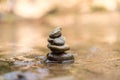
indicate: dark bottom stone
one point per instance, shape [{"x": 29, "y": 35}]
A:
[{"x": 62, "y": 58}]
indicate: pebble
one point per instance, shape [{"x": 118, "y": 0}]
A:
[
  {"x": 58, "y": 48},
  {"x": 55, "y": 33},
  {"x": 57, "y": 41}
]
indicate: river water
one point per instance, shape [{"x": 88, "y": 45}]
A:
[{"x": 94, "y": 40}]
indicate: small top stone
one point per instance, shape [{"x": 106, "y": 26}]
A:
[{"x": 55, "y": 33}]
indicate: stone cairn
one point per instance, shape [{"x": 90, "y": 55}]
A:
[{"x": 58, "y": 48}]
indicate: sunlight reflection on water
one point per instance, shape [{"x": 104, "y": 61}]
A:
[{"x": 94, "y": 43}]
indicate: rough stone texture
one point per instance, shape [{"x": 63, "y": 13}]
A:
[
  {"x": 57, "y": 41},
  {"x": 55, "y": 33},
  {"x": 58, "y": 47}
]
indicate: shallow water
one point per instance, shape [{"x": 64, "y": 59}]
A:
[{"x": 94, "y": 43}]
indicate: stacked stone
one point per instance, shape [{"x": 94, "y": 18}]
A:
[{"x": 58, "y": 47}]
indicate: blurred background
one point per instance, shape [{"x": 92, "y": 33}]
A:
[
  {"x": 25, "y": 24},
  {"x": 91, "y": 28}
]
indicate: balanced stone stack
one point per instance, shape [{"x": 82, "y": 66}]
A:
[{"x": 58, "y": 47}]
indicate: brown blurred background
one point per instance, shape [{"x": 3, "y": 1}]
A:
[
  {"x": 91, "y": 28},
  {"x": 25, "y": 24}
]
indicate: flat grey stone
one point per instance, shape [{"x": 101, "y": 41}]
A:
[
  {"x": 57, "y": 41},
  {"x": 62, "y": 58},
  {"x": 55, "y": 33},
  {"x": 58, "y": 48}
]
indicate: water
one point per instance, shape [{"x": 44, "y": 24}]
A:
[{"x": 93, "y": 38}]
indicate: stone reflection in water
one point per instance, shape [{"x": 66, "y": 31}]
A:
[
  {"x": 59, "y": 72},
  {"x": 48, "y": 72}
]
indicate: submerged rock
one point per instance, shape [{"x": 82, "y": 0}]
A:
[{"x": 18, "y": 75}]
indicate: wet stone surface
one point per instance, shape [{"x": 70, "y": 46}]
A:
[
  {"x": 33, "y": 69},
  {"x": 57, "y": 41},
  {"x": 56, "y": 33},
  {"x": 58, "y": 47}
]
